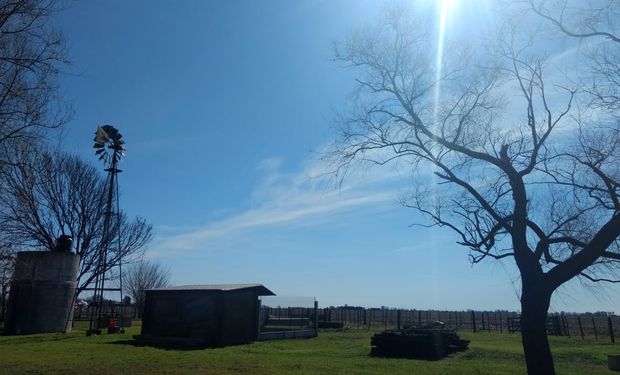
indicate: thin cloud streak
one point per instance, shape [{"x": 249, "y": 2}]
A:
[{"x": 287, "y": 200}]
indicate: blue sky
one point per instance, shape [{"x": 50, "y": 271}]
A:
[{"x": 225, "y": 107}]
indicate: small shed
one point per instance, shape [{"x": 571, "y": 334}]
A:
[{"x": 203, "y": 315}]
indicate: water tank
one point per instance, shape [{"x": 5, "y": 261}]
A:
[
  {"x": 64, "y": 243},
  {"x": 42, "y": 289}
]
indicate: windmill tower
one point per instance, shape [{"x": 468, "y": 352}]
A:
[{"x": 110, "y": 148}]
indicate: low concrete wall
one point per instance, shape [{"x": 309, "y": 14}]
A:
[
  {"x": 305, "y": 333},
  {"x": 288, "y": 322}
]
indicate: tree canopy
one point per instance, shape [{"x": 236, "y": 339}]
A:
[
  {"x": 56, "y": 193},
  {"x": 32, "y": 54},
  {"x": 512, "y": 149}
]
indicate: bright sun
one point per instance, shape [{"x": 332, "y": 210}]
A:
[
  {"x": 447, "y": 9},
  {"x": 448, "y": 6}
]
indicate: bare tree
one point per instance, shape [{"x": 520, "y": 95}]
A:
[
  {"x": 7, "y": 262},
  {"x": 522, "y": 179},
  {"x": 57, "y": 193},
  {"x": 31, "y": 54},
  {"x": 142, "y": 276},
  {"x": 597, "y": 22}
]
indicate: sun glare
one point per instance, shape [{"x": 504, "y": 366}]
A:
[
  {"x": 447, "y": 8},
  {"x": 449, "y": 5}
]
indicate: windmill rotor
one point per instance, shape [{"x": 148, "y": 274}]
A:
[{"x": 109, "y": 143}]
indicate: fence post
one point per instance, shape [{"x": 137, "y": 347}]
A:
[
  {"x": 489, "y": 322},
  {"x": 483, "y": 326},
  {"x": 580, "y": 326},
  {"x": 316, "y": 317},
  {"x": 501, "y": 328},
  {"x": 594, "y": 326},
  {"x": 384, "y": 320},
  {"x": 473, "y": 320},
  {"x": 610, "y": 326},
  {"x": 398, "y": 319},
  {"x": 565, "y": 319}
]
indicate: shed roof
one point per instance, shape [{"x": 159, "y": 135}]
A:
[{"x": 258, "y": 288}]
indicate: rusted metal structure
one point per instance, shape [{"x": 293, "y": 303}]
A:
[
  {"x": 110, "y": 148},
  {"x": 202, "y": 315}
]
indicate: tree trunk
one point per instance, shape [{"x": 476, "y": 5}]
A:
[{"x": 534, "y": 307}]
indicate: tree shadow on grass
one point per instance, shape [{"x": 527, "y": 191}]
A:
[
  {"x": 159, "y": 345},
  {"x": 12, "y": 339}
]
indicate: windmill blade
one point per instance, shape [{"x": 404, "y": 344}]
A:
[
  {"x": 108, "y": 137},
  {"x": 101, "y": 136},
  {"x": 110, "y": 130}
]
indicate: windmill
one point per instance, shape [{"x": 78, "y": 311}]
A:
[{"x": 110, "y": 148}]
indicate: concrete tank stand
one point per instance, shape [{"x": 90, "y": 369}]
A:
[{"x": 42, "y": 290}]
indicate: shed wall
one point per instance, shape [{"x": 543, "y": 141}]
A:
[
  {"x": 182, "y": 314},
  {"x": 211, "y": 318},
  {"x": 239, "y": 317}
]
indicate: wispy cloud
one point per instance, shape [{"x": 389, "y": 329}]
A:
[{"x": 282, "y": 200}]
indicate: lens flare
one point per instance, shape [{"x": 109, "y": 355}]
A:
[{"x": 446, "y": 9}]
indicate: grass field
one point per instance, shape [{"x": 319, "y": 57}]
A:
[{"x": 332, "y": 352}]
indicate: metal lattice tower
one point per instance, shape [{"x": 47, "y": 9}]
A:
[{"x": 110, "y": 148}]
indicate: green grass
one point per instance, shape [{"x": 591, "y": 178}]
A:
[{"x": 331, "y": 352}]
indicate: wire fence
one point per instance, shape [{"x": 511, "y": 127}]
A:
[
  {"x": 287, "y": 317},
  {"x": 125, "y": 312},
  {"x": 597, "y": 326},
  {"x": 287, "y": 301}
]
